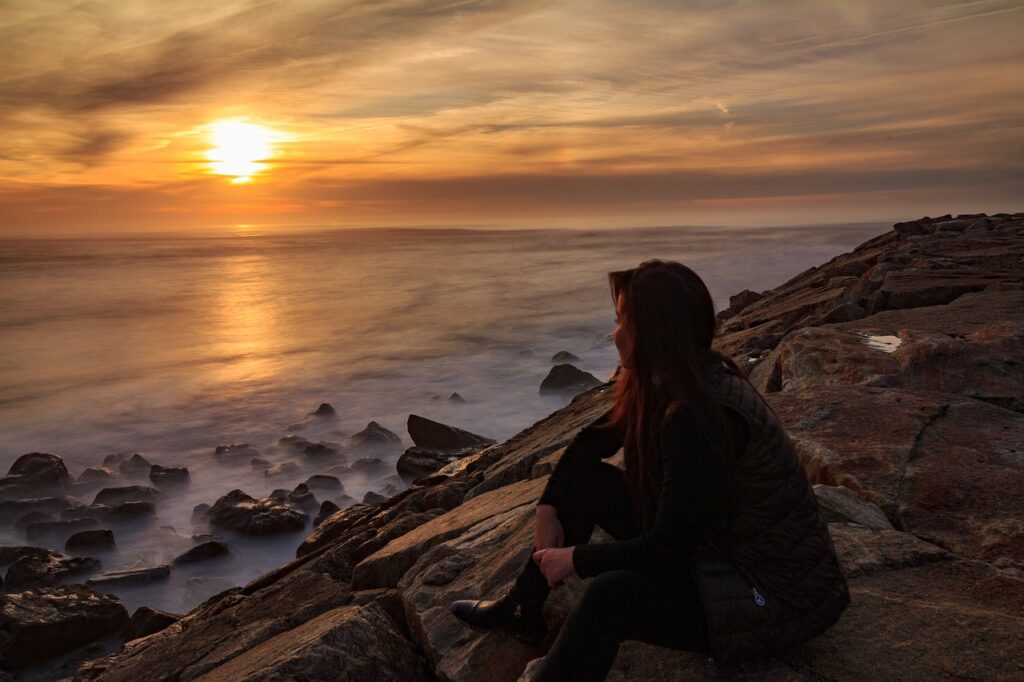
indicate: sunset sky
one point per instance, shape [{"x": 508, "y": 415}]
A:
[{"x": 509, "y": 112}]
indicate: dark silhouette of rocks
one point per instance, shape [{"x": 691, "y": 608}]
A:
[
  {"x": 36, "y": 470},
  {"x": 564, "y": 356},
  {"x": 325, "y": 411},
  {"x": 130, "y": 576},
  {"x": 373, "y": 498},
  {"x": 115, "y": 459},
  {"x": 33, "y": 517},
  {"x": 239, "y": 512},
  {"x": 293, "y": 442},
  {"x": 303, "y": 498},
  {"x": 210, "y": 549},
  {"x": 437, "y": 436},
  {"x": 327, "y": 509},
  {"x": 369, "y": 465},
  {"x": 323, "y": 452},
  {"x": 325, "y": 483},
  {"x": 260, "y": 464},
  {"x": 98, "y": 539},
  {"x": 99, "y": 474},
  {"x": 53, "y": 505},
  {"x": 456, "y": 398},
  {"x": 565, "y": 378},
  {"x": 131, "y": 510},
  {"x": 235, "y": 452}
]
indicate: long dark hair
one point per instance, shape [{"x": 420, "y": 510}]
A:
[{"x": 670, "y": 318}]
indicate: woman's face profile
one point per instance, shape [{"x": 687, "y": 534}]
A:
[{"x": 621, "y": 336}]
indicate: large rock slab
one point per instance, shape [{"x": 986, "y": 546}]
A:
[
  {"x": 385, "y": 567},
  {"x": 40, "y": 624},
  {"x": 433, "y": 435},
  {"x": 222, "y": 629},
  {"x": 347, "y": 644},
  {"x": 36, "y": 470}
]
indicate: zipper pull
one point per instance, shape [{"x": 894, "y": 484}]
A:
[{"x": 758, "y": 598}]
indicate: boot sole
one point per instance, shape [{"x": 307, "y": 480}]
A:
[{"x": 522, "y": 638}]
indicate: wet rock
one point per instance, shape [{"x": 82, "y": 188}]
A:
[
  {"x": 369, "y": 465},
  {"x": 130, "y": 511},
  {"x": 260, "y": 464},
  {"x": 564, "y": 356},
  {"x": 91, "y": 511},
  {"x": 115, "y": 459},
  {"x": 41, "y": 624},
  {"x": 207, "y": 550},
  {"x": 99, "y": 474},
  {"x": 373, "y": 498},
  {"x": 282, "y": 470},
  {"x": 329, "y": 484},
  {"x": 128, "y": 493},
  {"x": 60, "y": 529},
  {"x": 433, "y": 435},
  {"x": 53, "y": 505},
  {"x": 327, "y": 508},
  {"x": 325, "y": 411},
  {"x": 130, "y": 576},
  {"x": 373, "y": 437},
  {"x": 244, "y": 514},
  {"x": 36, "y": 470},
  {"x": 168, "y": 476},
  {"x": 46, "y": 569},
  {"x": 568, "y": 379},
  {"x": 96, "y": 540},
  {"x": 145, "y": 621},
  {"x": 135, "y": 466},
  {"x": 235, "y": 452},
  {"x": 303, "y": 498},
  {"x": 296, "y": 443},
  {"x": 322, "y": 452}
]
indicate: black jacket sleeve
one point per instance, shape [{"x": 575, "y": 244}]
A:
[
  {"x": 590, "y": 444},
  {"x": 692, "y": 496}
]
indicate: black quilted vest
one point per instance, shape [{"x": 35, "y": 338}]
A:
[{"x": 772, "y": 579}]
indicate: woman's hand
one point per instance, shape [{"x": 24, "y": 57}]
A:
[
  {"x": 556, "y": 564},
  {"x": 547, "y": 529}
]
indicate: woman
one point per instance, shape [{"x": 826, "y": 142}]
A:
[{"x": 719, "y": 545}]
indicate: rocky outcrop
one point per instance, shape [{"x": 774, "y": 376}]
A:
[
  {"x": 36, "y": 470},
  {"x": 566, "y": 378},
  {"x": 45, "y": 568},
  {"x": 244, "y": 514},
  {"x": 906, "y": 438}
]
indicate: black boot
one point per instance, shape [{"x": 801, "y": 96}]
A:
[{"x": 507, "y": 614}]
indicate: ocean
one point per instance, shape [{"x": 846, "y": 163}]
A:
[{"x": 171, "y": 346}]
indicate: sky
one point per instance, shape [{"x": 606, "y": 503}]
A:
[{"x": 504, "y": 113}]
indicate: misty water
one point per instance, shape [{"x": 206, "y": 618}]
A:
[{"x": 169, "y": 347}]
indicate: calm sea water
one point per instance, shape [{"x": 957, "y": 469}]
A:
[{"x": 172, "y": 346}]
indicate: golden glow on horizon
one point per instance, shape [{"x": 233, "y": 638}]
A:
[{"x": 239, "y": 148}]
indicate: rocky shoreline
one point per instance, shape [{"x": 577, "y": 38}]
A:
[{"x": 898, "y": 369}]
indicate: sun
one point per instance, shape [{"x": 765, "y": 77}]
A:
[{"x": 240, "y": 148}]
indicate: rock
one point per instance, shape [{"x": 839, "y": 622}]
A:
[
  {"x": 303, "y": 498},
  {"x": 737, "y": 302},
  {"x": 260, "y": 464},
  {"x": 322, "y": 451},
  {"x": 456, "y": 398},
  {"x": 36, "y": 470},
  {"x": 201, "y": 588},
  {"x": 369, "y": 465},
  {"x": 207, "y": 550},
  {"x": 135, "y": 466},
  {"x": 115, "y": 459},
  {"x": 145, "y": 621},
  {"x": 240, "y": 512},
  {"x": 417, "y": 462},
  {"x": 327, "y": 508},
  {"x": 433, "y": 435},
  {"x": 566, "y": 378},
  {"x": 564, "y": 356},
  {"x": 99, "y": 474},
  {"x": 41, "y": 624},
  {"x": 329, "y": 484},
  {"x": 235, "y": 452},
  {"x": 46, "y": 569},
  {"x": 282, "y": 470},
  {"x": 11, "y": 553},
  {"x": 129, "y": 493},
  {"x": 296, "y": 443},
  {"x": 374, "y": 437},
  {"x": 100, "y": 539},
  {"x": 33, "y": 517},
  {"x": 92, "y": 511},
  {"x": 839, "y": 503},
  {"x": 129, "y": 511},
  {"x": 130, "y": 576},
  {"x": 201, "y": 513},
  {"x": 52, "y": 505},
  {"x": 374, "y": 498},
  {"x": 325, "y": 411},
  {"x": 348, "y": 643},
  {"x": 62, "y": 528},
  {"x": 168, "y": 476}
]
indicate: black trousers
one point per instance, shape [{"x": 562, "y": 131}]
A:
[{"x": 661, "y": 609}]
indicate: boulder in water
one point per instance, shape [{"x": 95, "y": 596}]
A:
[
  {"x": 564, "y": 356},
  {"x": 131, "y": 510},
  {"x": 135, "y": 466},
  {"x": 145, "y": 621},
  {"x": 46, "y": 568},
  {"x": 36, "y": 470},
  {"x": 325, "y": 411},
  {"x": 99, "y": 474},
  {"x": 327, "y": 508},
  {"x": 428, "y": 433},
  {"x": 568, "y": 379},
  {"x": 303, "y": 498},
  {"x": 244, "y": 514},
  {"x": 130, "y": 576},
  {"x": 98, "y": 539},
  {"x": 168, "y": 476},
  {"x": 235, "y": 452},
  {"x": 201, "y": 552},
  {"x": 323, "y": 451},
  {"x": 374, "y": 498},
  {"x": 128, "y": 493},
  {"x": 373, "y": 437},
  {"x": 372, "y": 465},
  {"x": 283, "y": 469},
  {"x": 325, "y": 483}
]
